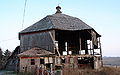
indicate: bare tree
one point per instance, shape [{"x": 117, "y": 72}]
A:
[
  {"x": 1, "y": 58},
  {"x": 7, "y": 53},
  {"x": 1, "y": 53}
]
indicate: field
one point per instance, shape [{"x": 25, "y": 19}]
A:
[
  {"x": 111, "y": 61},
  {"x": 102, "y": 71}
]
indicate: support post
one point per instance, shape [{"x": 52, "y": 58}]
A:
[
  {"x": 93, "y": 45},
  {"x": 100, "y": 48},
  {"x": 53, "y": 39},
  {"x": 90, "y": 47},
  {"x": 51, "y": 69},
  {"x": 80, "y": 46},
  {"x": 100, "y": 52},
  {"x": 86, "y": 48}
]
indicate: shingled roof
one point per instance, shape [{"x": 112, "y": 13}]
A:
[
  {"x": 57, "y": 21},
  {"x": 34, "y": 52}
]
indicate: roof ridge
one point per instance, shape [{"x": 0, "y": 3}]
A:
[{"x": 51, "y": 21}]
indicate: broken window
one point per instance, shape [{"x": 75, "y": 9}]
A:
[
  {"x": 85, "y": 60},
  {"x": 64, "y": 52},
  {"x": 71, "y": 60},
  {"x": 82, "y": 60},
  {"x": 50, "y": 60},
  {"x": 70, "y": 52},
  {"x": 79, "y": 60},
  {"x": 56, "y": 60},
  {"x": 46, "y": 60},
  {"x": 47, "y": 66},
  {"x": 63, "y": 60},
  {"x": 41, "y": 61},
  {"x": 32, "y": 61}
]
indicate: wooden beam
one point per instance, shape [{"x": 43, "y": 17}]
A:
[
  {"x": 53, "y": 39},
  {"x": 80, "y": 44},
  {"x": 100, "y": 48}
]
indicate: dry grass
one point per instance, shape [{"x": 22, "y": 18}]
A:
[
  {"x": 14, "y": 73},
  {"x": 25, "y": 74},
  {"x": 102, "y": 71}
]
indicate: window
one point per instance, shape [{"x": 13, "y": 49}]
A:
[
  {"x": 79, "y": 60},
  {"x": 71, "y": 60},
  {"x": 56, "y": 60},
  {"x": 63, "y": 60},
  {"x": 41, "y": 61},
  {"x": 32, "y": 61}
]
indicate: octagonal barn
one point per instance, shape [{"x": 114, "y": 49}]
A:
[{"x": 64, "y": 36}]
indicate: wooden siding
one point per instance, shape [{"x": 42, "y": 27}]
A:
[
  {"x": 42, "y": 40},
  {"x": 27, "y": 67}
]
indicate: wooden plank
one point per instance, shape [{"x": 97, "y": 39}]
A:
[{"x": 53, "y": 39}]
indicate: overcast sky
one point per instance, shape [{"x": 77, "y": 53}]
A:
[{"x": 102, "y": 15}]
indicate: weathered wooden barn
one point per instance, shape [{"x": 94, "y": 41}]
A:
[{"x": 75, "y": 44}]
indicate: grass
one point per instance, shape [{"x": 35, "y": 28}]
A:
[
  {"x": 9, "y": 73},
  {"x": 14, "y": 73},
  {"x": 25, "y": 74},
  {"x": 103, "y": 71}
]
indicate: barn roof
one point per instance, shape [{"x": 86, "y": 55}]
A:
[
  {"x": 57, "y": 21},
  {"x": 35, "y": 52}
]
